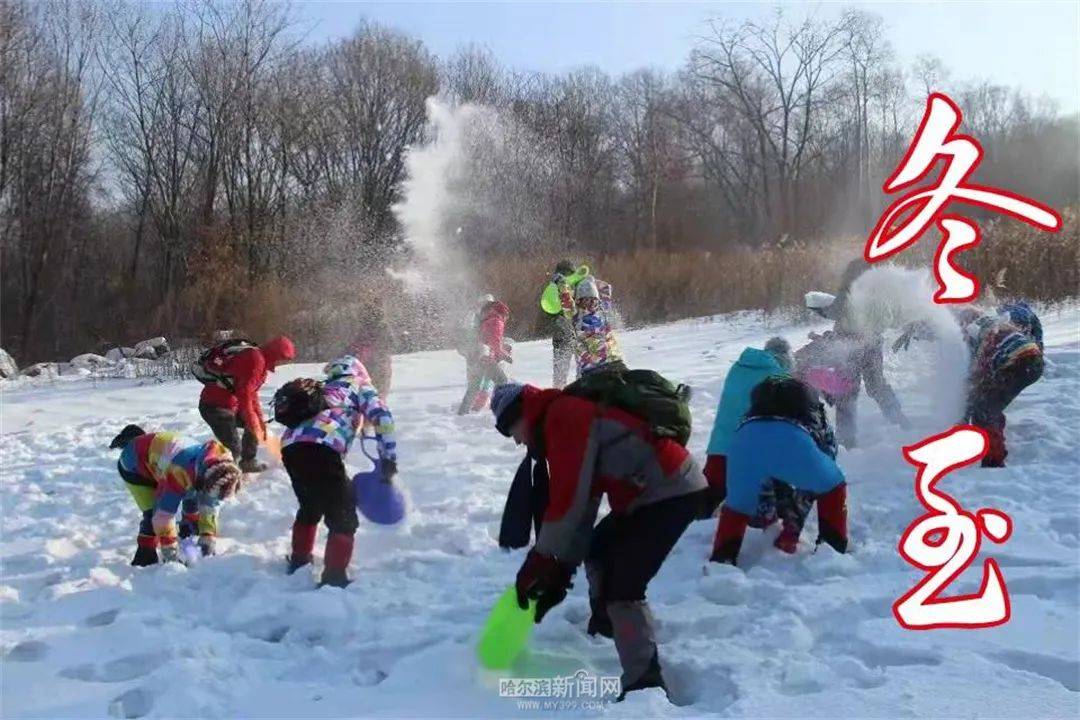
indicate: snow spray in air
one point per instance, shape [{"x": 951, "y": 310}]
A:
[
  {"x": 437, "y": 273},
  {"x": 888, "y": 298}
]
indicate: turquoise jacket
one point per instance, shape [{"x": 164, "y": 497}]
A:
[{"x": 752, "y": 367}]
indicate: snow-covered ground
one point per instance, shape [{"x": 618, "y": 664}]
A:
[{"x": 83, "y": 634}]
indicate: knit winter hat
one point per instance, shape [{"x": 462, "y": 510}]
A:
[
  {"x": 587, "y": 289},
  {"x": 565, "y": 267},
  {"x": 781, "y": 350},
  {"x": 347, "y": 366},
  {"x": 783, "y": 397},
  {"x": 222, "y": 480},
  {"x": 506, "y": 406},
  {"x": 129, "y": 433}
]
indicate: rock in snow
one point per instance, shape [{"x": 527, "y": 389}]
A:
[
  {"x": 8, "y": 368},
  {"x": 90, "y": 361},
  {"x": 41, "y": 370},
  {"x": 119, "y": 353},
  {"x": 152, "y": 348}
]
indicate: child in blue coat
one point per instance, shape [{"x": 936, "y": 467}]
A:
[
  {"x": 751, "y": 368},
  {"x": 779, "y": 461}
]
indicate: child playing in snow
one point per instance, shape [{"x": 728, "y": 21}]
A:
[
  {"x": 164, "y": 474},
  {"x": 588, "y": 307},
  {"x": 1006, "y": 357},
  {"x": 779, "y": 461},
  {"x": 313, "y": 453},
  {"x": 751, "y": 368},
  {"x": 484, "y": 355},
  {"x": 562, "y": 334},
  {"x": 230, "y": 399},
  {"x": 654, "y": 488},
  {"x": 837, "y": 362}
]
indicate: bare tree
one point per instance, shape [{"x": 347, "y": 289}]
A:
[
  {"x": 773, "y": 76},
  {"x": 48, "y": 100}
]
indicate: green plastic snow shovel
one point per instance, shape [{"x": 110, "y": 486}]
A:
[
  {"x": 549, "y": 300},
  {"x": 506, "y": 632}
]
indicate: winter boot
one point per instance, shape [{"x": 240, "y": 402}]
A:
[
  {"x": 788, "y": 539},
  {"x": 599, "y": 621},
  {"x": 716, "y": 474},
  {"x": 208, "y": 545},
  {"x": 995, "y": 451},
  {"x": 652, "y": 678},
  {"x": 729, "y": 536},
  {"x": 303, "y": 544},
  {"x": 832, "y": 518},
  {"x": 251, "y": 465},
  {"x": 189, "y": 525},
  {"x": 481, "y": 401},
  {"x": 146, "y": 551},
  {"x": 339, "y": 548}
]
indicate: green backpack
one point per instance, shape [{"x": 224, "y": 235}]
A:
[{"x": 644, "y": 393}]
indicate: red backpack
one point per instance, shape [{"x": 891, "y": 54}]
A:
[{"x": 209, "y": 369}]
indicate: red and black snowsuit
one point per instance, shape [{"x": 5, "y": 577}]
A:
[
  {"x": 655, "y": 489},
  {"x": 225, "y": 411},
  {"x": 482, "y": 369}
]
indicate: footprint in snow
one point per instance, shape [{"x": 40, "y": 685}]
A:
[
  {"x": 801, "y": 678},
  {"x": 134, "y": 703},
  {"x": 122, "y": 669},
  {"x": 102, "y": 619},
  {"x": 1061, "y": 670},
  {"x": 27, "y": 651}
]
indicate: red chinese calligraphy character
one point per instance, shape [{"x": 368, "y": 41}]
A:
[
  {"x": 944, "y": 541},
  {"x": 911, "y": 215}
]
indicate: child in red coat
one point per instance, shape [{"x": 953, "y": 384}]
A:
[{"x": 483, "y": 369}]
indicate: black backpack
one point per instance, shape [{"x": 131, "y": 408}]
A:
[
  {"x": 793, "y": 399},
  {"x": 298, "y": 400},
  {"x": 209, "y": 369},
  {"x": 644, "y": 393}
]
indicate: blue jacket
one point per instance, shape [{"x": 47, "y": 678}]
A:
[
  {"x": 767, "y": 447},
  {"x": 751, "y": 368}
]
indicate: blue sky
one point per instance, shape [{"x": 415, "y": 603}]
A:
[{"x": 1035, "y": 44}]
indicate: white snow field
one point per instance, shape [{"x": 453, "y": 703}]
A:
[{"x": 83, "y": 634}]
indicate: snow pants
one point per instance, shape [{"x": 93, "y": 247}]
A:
[
  {"x": 480, "y": 377},
  {"x": 625, "y": 553},
  {"x": 325, "y": 492},
  {"x": 780, "y": 501},
  {"x": 144, "y": 493},
  {"x": 991, "y": 395},
  {"x": 322, "y": 487},
  {"x": 562, "y": 350},
  {"x": 226, "y": 426}
]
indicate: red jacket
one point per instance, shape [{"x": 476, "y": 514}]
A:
[
  {"x": 249, "y": 370},
  {"x": 592, "y": 451},
  {"x": 493, "y": 319}
]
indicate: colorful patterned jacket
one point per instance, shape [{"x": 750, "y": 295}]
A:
[
  {"x": 595, "y": 341},
  {"x": 350, "y": 399},
  {"x": 996, "y": 344},
  {"x": 168, "y": 466}
]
